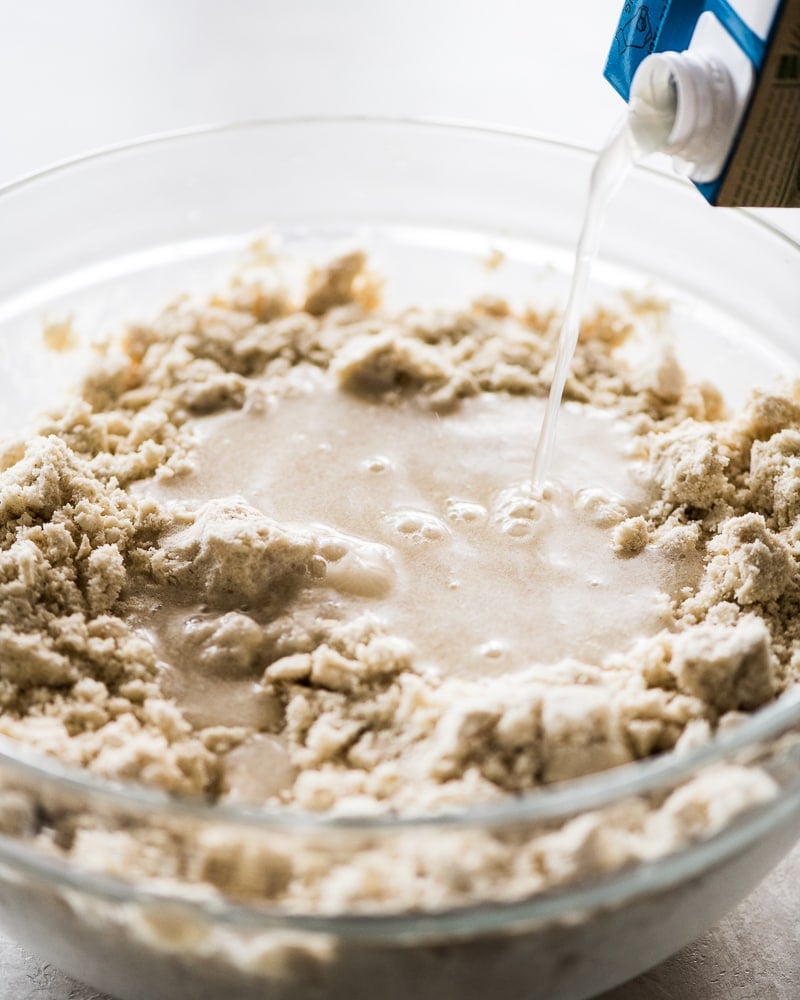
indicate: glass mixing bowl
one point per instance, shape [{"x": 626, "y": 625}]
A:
[{"x": 112, "y": 236}]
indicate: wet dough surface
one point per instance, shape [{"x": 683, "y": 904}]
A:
[{"x": 426, "y": 521}]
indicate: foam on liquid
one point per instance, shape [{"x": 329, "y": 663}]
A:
[{"x": 428, "y": 523}]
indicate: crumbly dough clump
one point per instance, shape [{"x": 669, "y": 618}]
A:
[{"x": 83, "y": 557}]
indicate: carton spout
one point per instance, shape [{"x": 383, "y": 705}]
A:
[{"x": 686, "y": 104}]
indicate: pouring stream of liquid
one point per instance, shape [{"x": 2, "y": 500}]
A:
[{"x": 642, "y": 131}]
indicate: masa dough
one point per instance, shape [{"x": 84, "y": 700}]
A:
[{"x": 335, "y": 713}]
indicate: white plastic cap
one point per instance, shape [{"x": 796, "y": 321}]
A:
[{"x": 686, "y": 104}]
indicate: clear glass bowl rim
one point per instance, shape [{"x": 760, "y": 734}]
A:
[{"x": 551, "y": 803}]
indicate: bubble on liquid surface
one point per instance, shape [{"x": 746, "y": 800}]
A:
[
  {"x": 493, "y": 650},
  {"x": 356, "y": 566},
  {"x": 465, "y": 511},
  {"x": 517, "y": 511},
  {"x": 417, "y": 525},
  {"x": 377, "y": 465}
]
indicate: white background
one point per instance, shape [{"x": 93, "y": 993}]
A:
[
  {"x": 78, "y": 74},
  {"x": 81, "y": 74}
]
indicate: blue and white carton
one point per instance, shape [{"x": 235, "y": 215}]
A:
[{"x": 733, "y": 73}]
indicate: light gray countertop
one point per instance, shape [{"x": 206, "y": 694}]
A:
[{"x": 753, "y": 954}]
